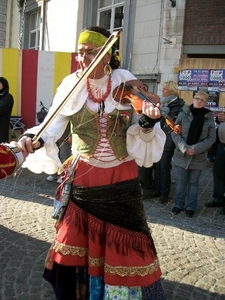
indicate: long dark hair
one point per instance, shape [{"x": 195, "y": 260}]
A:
[
  {"x": 5, "y": 84},
  {"x": 114, "y": 62}
]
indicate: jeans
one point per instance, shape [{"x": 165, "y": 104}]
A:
[
  {"x": 219, "y": 174},
  {"x": 162, "y": 174},
  {"x": 187, "y": 183}
]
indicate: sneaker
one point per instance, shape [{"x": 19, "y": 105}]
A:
[
  {"x": 59, "y": 180},
  {"x": 51, "y": 178}
]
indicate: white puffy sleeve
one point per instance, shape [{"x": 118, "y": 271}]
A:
[
  {"x": 145, "y": 148},
  {"x": 46, "y": 158}
]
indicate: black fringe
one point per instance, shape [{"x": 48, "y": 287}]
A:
[{"x": 120, "y": 205}]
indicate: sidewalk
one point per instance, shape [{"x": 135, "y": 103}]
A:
[{"x": 191, "y": 251}]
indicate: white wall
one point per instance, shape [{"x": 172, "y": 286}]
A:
[
  {"x": 172, "y": 29},
  {"x": 154, "y": 20},
  {"x": 146, "y": 37},
  {"x": 63, "y": 22}
]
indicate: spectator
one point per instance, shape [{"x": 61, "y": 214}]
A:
[
  {"x": 146, "y": 181},
  {"x": 219, "y": 167},
  {"x": 6, "y": 105},
  {"x": 172, "y": 105},
  {"x": 145, "y": 174},
  {"x": 190, "y": 156}
]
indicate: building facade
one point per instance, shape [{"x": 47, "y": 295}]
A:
[{"x": 158, "y": 38}]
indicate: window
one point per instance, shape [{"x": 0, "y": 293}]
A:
[
  {"x": 34, "y": 30},
  {"x": 111, "y": 16}
]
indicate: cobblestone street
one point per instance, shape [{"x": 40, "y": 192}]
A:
[{"x": 191, "y": 251}]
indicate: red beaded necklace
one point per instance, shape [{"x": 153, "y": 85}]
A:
[{"x": 104, "y": 96}]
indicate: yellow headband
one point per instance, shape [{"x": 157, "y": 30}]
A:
[{"x": 94, "y": 38}]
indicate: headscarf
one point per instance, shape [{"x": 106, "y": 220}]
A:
[{"x": 93, "y": 37}]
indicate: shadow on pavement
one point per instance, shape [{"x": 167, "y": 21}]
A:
[{"x": 22, "y": 264}]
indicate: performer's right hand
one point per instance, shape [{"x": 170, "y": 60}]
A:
[{"x": 27, "y": 146}]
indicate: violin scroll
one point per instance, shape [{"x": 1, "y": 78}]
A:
[{"x": 176, "y": 128}]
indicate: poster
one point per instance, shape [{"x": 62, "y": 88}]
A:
[
  {"x": 212, "y": 80},
  {"x": 217, "y": 80},
  {"x": 192, "y": 79}
]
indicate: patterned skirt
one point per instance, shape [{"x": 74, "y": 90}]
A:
[{"x": 103, "y": 247}]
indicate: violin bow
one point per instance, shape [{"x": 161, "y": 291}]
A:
[{"x": 104, "y": 49}]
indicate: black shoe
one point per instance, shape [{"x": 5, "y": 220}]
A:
[
  {"x": 212, "y": 204},
  {"x": 189, "y": 213},
  {"x": 146, "y": 194},
  {"x": 176, "y": 210},
  {"x": 150, "y": 195},
  {"x": 163, "y": 199},
  {"x": 222, "y": 212}
]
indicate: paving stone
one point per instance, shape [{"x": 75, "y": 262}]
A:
[{"x": 191, "y": 251}]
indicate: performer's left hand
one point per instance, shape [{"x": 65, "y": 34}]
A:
[{"x": 150, "y": 110}]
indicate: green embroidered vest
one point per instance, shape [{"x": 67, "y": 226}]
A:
[{"x": 86, "y": 131}]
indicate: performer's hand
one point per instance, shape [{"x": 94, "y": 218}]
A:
[
  {"x": 150, "y": 110},
  {"x": 27, "y": 146}
]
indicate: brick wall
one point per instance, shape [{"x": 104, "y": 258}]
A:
[{"x": 204, "y": 22}]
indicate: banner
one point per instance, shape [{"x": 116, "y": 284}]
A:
[{"x": 205, "y": 79}]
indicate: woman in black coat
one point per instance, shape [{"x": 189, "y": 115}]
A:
[
  {"x": 172, "y": 105},
  {"x": 6, "y": 105}
]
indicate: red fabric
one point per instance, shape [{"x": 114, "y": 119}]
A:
[
  {"x": 7, "y": 162},
  {"x": 93, "y": 246},
  {"x": 87, "y": 175}
]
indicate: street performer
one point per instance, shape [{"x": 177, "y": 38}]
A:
[{"x": 103, "y": 247}]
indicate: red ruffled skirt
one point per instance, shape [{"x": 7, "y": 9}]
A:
[{"x": 73, "y": 247}]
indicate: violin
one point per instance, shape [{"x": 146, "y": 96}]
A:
[{"x": 134, "y": 92}]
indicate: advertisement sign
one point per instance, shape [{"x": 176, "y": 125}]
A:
[
  {"x": 194, "y": 79},
  {"x": 191, "y": 79},
  {"x": 217, "y": 80}
]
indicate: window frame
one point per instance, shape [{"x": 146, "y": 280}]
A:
[
  {"x": 111, "y": 7},
  {"x": 33, "y": 6},
  {"x": 36, "y": 30},
  {"x": 127, "y": 33}
]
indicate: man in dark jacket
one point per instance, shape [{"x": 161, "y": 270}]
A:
[
  {"x": 219, "y": 167},
  {"x": 6, "y": 105}
]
